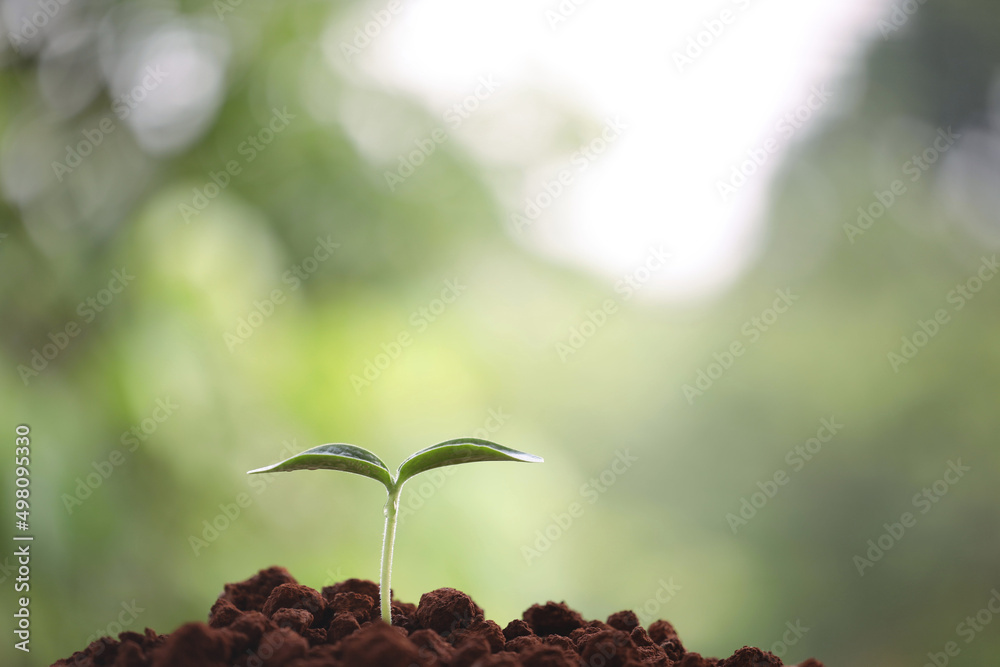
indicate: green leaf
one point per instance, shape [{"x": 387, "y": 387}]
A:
[
  {"x": 461, "y": 450},
  {"x": 337, "y": 456}
]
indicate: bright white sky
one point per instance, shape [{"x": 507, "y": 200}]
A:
[{"x": 657, "y": 184}]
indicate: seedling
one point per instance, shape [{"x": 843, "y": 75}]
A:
[{"x": 349, "y": 458}]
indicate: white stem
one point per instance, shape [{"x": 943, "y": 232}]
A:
[{"x": 388, "y": 539}]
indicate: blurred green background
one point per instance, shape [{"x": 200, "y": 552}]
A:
[{"x": 241, "y": 328}]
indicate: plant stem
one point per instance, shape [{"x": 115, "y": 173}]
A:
[{"x": 388, "y": 539}]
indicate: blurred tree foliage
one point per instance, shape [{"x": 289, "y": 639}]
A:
[{"x": 288, "y": 385}]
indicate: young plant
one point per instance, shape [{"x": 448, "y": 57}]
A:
[{"x": 348, "y": 458}]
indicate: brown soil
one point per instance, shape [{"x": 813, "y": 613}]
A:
[{"x": 270, "y": 620}]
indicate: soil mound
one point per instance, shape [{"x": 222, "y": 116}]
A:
[{"x": 270, "y": 620}]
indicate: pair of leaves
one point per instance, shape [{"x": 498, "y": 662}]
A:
[{"x": 348, "y": 458}]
